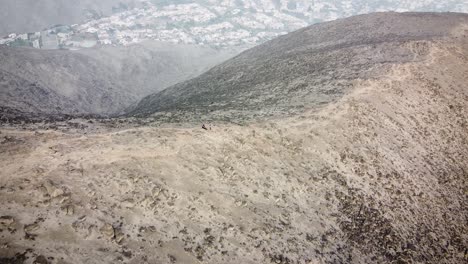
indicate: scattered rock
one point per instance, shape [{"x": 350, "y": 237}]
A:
[
  {"x": 119, "y": 235},
  {"x": 30, "y": 231},
  {"x": 64, "y": 199},
  {"x": 284, "y": 220},
  {"x": 128, "y": 203},
  {"x": 148, "y": 202},
  {"x": 172, "y": 259},
  {"x": 68, "y": 209},
  {"x": 32, "y": 228},
  {"x": 433, "y": 236},
  {"x": 19, "y": 258},
  {"x": 6, "y": 221},
  {"x": 108, "y": 231},
  {"x": 156, "y": 191},
  {"x": 112, "y": 233},
  {"x": 127, "y": 254},
  {"x": 41, "y": 260},
  {"x": 199, "y": 252},
  {"x": 52, "y": 190}
]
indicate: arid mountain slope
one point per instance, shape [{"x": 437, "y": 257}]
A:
[
  {"x": 96, "y": 81},
  {"x": 303, "y": 69},
  {"x": 376, "y": 175},
  {"x": 379, "y": 176}
]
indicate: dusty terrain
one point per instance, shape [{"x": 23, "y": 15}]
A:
[{"x": 377, "y": 176}]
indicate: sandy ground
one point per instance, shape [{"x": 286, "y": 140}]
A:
[{"x": 380, "y": 176}]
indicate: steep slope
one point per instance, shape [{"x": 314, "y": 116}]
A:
[
  {"x": 96, "y": 81},
  {"x": 304, "y": 69},
  {"x": 377, "y": 176}
]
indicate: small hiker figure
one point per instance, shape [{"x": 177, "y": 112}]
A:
[{"x": 204, "y": 127}]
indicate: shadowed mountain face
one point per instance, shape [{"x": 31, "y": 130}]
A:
[
  {"x": 96, "y": 81},
  {"x": 304, "y": 69}
]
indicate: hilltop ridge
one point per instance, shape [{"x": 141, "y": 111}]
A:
[{"x": 304, "y": 69}]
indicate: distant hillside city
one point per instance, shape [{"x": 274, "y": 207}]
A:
[{"x": 215, "y": 23}]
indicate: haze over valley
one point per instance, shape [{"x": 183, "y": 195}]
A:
[{"x": 100, "y": 81}]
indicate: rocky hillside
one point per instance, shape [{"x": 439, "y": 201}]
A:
[
  {"x": 304, "y": 69},
  {"x": 375, "y": 173},
  {"x": 96, "y": 81}
]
